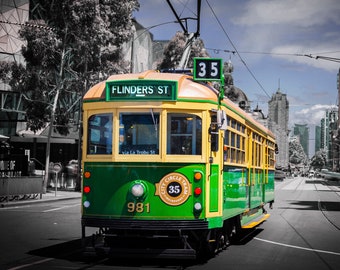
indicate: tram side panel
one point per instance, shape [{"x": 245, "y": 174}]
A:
[{"x": 235, "y": 191}]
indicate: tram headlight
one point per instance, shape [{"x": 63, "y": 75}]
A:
[
  {"x": 198, "y": 207},
  {"x": 86, "y": 204},
  {"x": 138, "y": 190}
]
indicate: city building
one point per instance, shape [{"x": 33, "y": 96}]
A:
[
  {"x": 139, "y": 51},
  {"x": 302, "y": 132},
  {"x": 14, "y": 14},
  {"x": 317, "y": 144},
  {"x": 329, "y": 137},
  {"x": 278, "y": 117}
]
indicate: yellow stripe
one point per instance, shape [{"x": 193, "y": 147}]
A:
[{"x": 255, "y": 223}]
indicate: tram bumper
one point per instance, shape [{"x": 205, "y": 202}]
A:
[
  {"x": 185, "y": 254},
  {"x": 158, "y": 248},
  {"x": 143, "y": 239}
]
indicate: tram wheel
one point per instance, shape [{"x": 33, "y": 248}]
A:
[{"x": 214, "y": 242}]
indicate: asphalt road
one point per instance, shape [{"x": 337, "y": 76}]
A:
[{"x": 303, "y": 232}]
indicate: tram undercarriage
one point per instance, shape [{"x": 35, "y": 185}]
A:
[{"x": 180, "y": 244}]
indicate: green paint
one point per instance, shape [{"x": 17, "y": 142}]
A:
[{"x": 214, "y": 177}]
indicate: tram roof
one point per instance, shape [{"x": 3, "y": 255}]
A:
[{"x": 187, "y": 89}]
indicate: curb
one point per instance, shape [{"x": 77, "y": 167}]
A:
[{"x": 49, "y": 198}]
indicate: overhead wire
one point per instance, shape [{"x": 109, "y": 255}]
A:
[
  {"x": 333, "y": 59},
  {"x": 186, "y": 7},
  {"x": 252, "y": 52},
  {"x": 235, "y": 50}
]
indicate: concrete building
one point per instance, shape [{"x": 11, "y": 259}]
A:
[
  {"x": 13, "y": 13},
  {"x": 317, "y": 144},
  {"x": 330, "y": 138},
  {"x": 139, "y": 51},
  {"x": 278, "y": 117},
  {"x": 302, "y": 132}
]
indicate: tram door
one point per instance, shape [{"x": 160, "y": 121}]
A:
[
  {"x": 249, "y": 157},
  {"x": 255, "y": 172},
  {"x": 215, "y": 182}
]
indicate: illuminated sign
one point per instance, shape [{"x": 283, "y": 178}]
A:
[
  {"x": 208, "y": 69},
  {"x": 141, "y": 90}
]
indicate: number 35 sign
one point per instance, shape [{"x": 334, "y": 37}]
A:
[{"x": 208, "y": 69}]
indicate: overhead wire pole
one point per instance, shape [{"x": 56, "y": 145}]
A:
[
  {"x": 190, "y": 37},
  {"x": 198, "y": 25},
  {"x": 177, "y": 17}
]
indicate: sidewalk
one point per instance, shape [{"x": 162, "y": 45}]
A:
[{"x": 50, "y": 196}]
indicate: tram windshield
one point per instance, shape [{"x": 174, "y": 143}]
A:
[
  {"x": 100, "y": 134},
  {"x": 139, "y": 133},
  {"x": 184, "y": 134}
]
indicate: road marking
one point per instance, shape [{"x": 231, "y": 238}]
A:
[
  {"x": 31, "y": 264},
  {"x": 11, "y": 207},
  {"x": 297, "y": 247},
  {"x": 59, "y": 208}
]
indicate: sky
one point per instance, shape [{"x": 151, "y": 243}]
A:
[{"x": 267, "y": 42}]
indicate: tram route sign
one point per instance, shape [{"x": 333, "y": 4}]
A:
[
  {"x": 208, "y": 69},
  {"x": 141, "y": 90}
]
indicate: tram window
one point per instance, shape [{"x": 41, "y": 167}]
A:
[
  {"x": 242, "y": 157},
  {"x": 226, "y": 137},
  {"x": 238, "y": 141},
  {"x": 238, "y": 126},
  {"x": 232, "y": 143},
  {"x": 228, "y": 121},
  {"x": 100, "y": 134},
  {"x": 184, "y": 134},
  {"x": 233, "y": 155},
  {"x": 139, "y": 133}
]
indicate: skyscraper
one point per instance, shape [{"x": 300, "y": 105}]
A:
[
  {"x": 317, "y": 138},
  {"x": 278, "y": 116},
  {"x": 302, "y": 132}
]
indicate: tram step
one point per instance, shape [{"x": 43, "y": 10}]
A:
[{"x": 255, "y": 222}]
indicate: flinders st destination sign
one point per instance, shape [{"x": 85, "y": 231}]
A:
[{"x": 141, "y": 90}]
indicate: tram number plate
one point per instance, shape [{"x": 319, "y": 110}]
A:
[
  {"x": 208, "y": 69},
  {"x": 138, "y": 207}
]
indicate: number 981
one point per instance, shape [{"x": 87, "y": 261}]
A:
[{"x": 138, "y": 207}]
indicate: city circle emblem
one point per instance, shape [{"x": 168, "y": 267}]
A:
[{"x": 173, "y": 189}]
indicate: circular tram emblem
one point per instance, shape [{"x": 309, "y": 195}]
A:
[{"x": 173, "y": 189}]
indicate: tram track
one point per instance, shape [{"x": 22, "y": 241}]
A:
[
  {"x": 323, "y": 207},
  {"x": 297, "y": 190},
  {"x": 308, "y": 245}
]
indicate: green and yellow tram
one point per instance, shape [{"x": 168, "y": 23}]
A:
[{"x": 170, "y": 168}]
